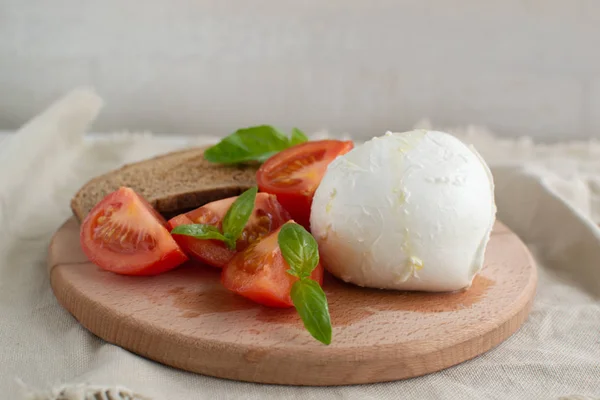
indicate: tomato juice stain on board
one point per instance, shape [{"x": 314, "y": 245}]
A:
[
  {"x": 347, "y": 303},
  {"x": 210, "y": 297}
]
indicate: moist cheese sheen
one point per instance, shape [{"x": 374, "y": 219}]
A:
[{"x": 406, "y": 211}]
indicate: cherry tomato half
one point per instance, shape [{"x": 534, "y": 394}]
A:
[
  {"x": 125, "y": 235},
  {"x": 294, "y": 174}
]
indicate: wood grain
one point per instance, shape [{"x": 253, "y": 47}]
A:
[{"x": 186, "y": 319}]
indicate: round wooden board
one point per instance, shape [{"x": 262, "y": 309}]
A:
[{"x": 186, "y": 319}]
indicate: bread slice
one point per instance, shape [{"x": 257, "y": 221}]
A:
[{"x": 172, "y": 183}]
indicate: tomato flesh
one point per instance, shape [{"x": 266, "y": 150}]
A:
[
  {"x": 125, "y": 235},
  {"x": 294, "y": 174},
  {"x": 259, "y": 273},
  {"x": 267, "y": 216}
]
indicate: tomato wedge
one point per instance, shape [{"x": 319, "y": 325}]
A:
[
  {"x": 259, "y": 273},
  {"x": 267, "y": 216},
  {"x": 294, "y": 174},
  {"x": 125, "y": 235}
]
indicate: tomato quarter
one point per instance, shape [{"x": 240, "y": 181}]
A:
[
  {"x": 125, "y": 235},
  {"x": 267, "y": 216},
  {"x": 259, "y": 273},
  {"x": 294, "y": 174}
]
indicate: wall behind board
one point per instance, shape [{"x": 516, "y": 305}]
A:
[{"x": 356, "y": 66}]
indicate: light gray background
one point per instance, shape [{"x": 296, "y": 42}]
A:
[{"x": 356, "y": 66}]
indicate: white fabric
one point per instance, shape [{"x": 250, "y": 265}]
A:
[{"x": 548, "y": 194}]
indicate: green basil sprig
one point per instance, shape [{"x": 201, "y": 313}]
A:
[
  {"x": 235, "y": 220},
  {"x": 299, "y": 249},
  {"x": 256, "y": 143}
]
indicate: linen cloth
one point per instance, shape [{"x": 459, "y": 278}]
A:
[{"x": 548, "y": 194}]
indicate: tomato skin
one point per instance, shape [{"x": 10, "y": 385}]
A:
[
  {"x": 298, "y": 205},
  {"x": 259, "y": 273},
  {"x": 268, "y": 214},
  {"x": 294, "y": 174},
  {"x": 125, "y": 235}
]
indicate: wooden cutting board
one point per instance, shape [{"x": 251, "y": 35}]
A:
[{"x": 186, "y": 319}]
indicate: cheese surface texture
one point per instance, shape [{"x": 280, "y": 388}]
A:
[{"x": 407, "y": 211}]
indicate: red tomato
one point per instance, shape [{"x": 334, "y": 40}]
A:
[
  {"x": 268, "y": 215},
  {"x": 125, "y": 235},
  {"x": 294, "y": 174},
  {"x": 260, "y": 274}
]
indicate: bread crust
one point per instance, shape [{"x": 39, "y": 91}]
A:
[{"x": 172, "y": 183}]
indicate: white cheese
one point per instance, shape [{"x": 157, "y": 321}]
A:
[{"x": 406, "y": 211}]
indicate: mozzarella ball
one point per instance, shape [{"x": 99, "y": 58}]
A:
[{"x": 405, "y": 211}]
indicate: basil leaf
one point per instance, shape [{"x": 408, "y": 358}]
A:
[
  {"x": 266, "y": 156},
  {"x": 248, "y": 144},
  {"x": 238, "y": 215},
  {"x": 311, "y": 303},
  {"x": 298, "y": 137},
  {"x": 299, "y": 249},
  {"x": 199, "y": 231}
]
